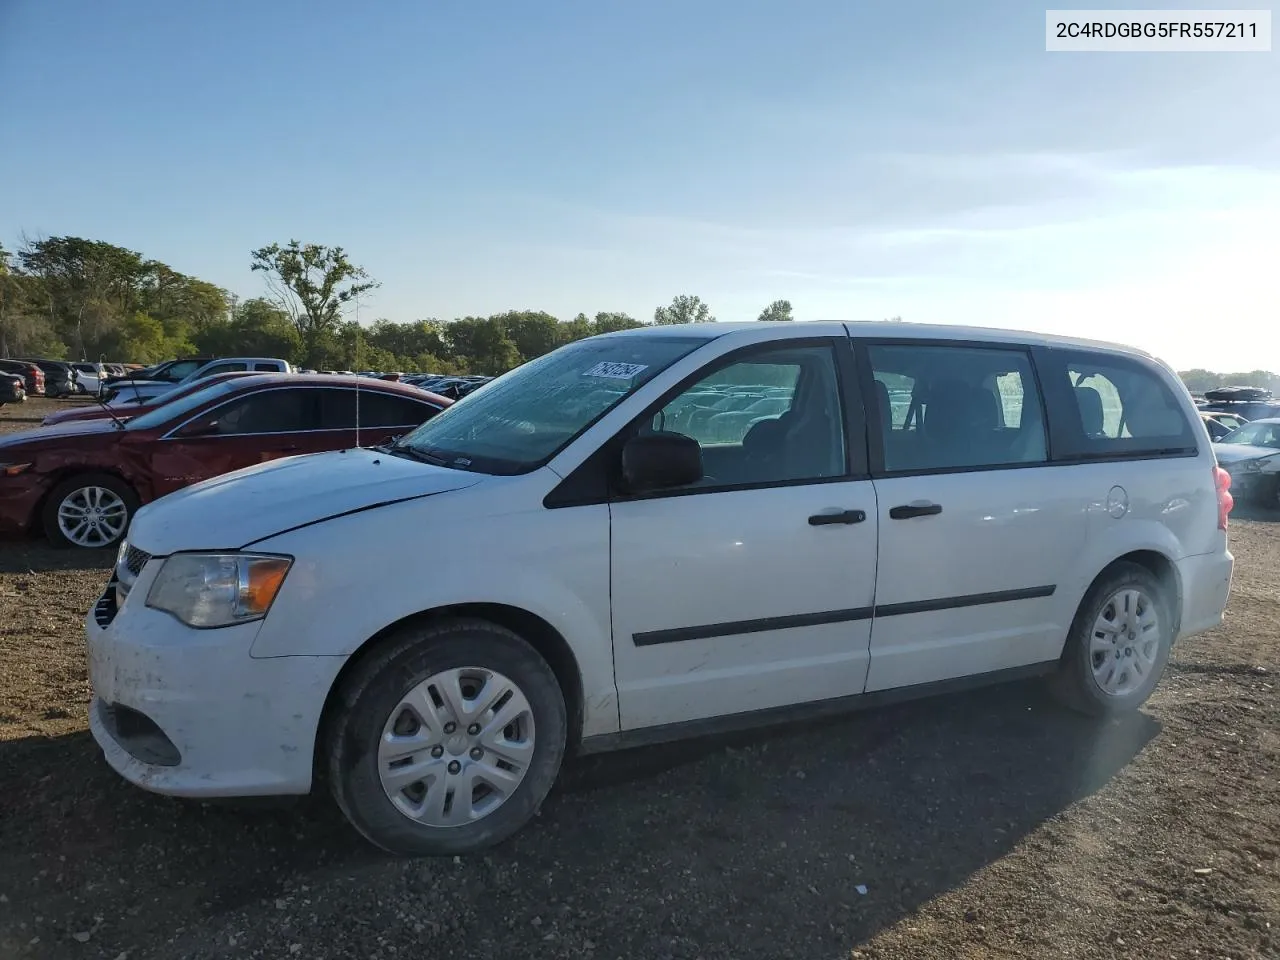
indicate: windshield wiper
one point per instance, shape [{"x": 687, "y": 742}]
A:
[
  {"x": 109, "y": 412},
  {"x": 413, "y": 453}
]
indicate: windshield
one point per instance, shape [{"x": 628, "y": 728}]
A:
[
  {"x": 523, "y": 418},
  {"x": 180, "y": 405},
  {"x": 1255, "y": 435}
]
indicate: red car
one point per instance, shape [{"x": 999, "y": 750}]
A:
[
  {"x": 81, "y": 482},
  {"x": 125, "y": 409},
  {"x": 32, "y": 375}
]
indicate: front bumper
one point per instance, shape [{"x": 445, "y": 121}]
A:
[
  {"x": 190, "y": 713},
  {"x": 1250, "y": 485},
  {"x": 19, "y": 497}
]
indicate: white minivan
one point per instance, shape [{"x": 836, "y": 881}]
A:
[{"x": 652, "y": 534}]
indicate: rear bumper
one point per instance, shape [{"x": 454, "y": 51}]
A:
[{"x": 1206, "y": 584}]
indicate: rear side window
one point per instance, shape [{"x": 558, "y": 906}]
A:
[
  {"x": 956, "y": 407},
  {"x": 338, "y": 410},
  {"x": 1119, "y": 407},
  {"x": 266, "y": 367}
]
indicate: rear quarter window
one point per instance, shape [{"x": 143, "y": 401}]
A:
[{"x": 1108, "y": 406}]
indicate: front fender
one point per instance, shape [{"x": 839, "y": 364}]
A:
[{"x": 356, "y": 575}]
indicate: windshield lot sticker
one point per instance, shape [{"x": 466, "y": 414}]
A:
[{"x": 615, "y": 371}]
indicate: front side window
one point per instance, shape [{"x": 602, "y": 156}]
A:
[
  {"x": 523, "y": 418},
  {"x": 772, "y": 417},
  {"x": 268, "y": 411},
  {"x": 944, "y": 407},
  {"x": 178, "y": 407}
]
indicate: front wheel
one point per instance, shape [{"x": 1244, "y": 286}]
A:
[
  {"x": 91, "y": 511},
  {"x": 1118, "y": 645},
  {"x": 447, "y": 740}
]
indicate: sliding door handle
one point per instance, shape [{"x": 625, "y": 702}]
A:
[
  {"x": 843, "y": 516},
  {"x": 907, "y": 511}
]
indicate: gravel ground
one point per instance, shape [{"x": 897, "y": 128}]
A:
[{"x": 979, "y": 825}]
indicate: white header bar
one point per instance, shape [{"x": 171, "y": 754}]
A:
[{"x": 1158, "y": 31}]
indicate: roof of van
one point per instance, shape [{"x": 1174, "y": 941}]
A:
[{"x": 883, "y": 328}]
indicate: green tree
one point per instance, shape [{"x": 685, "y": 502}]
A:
[
  {"x": 612, "y": 322},
  {"x": 778, "y": 310},
  {"x": 88, "y": 287},
  {"x": 146, "y": 340},
  {"x": 534, "y": 332},
  {"x": 410, "y": 339},
  {"x": 24, "y": 329},
  {"x": 482, "y": 344},
  {"x": 576, "y": 329},
  {"x": 684, "y": 309},
  {"x": 258, "y": 328},
  {"x": 312, "y": 284}
]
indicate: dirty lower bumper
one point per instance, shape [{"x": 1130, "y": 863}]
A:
[
  {"x": 19, "y": 497},
  {"x": 190, "y": 713}
]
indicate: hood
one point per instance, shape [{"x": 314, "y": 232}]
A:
[
  {"x": 1236, "y": 452},
  {"x": 240, "y": 508},
  {"x": 57, "y": 431},
  {"x": 84, "y": 413}
]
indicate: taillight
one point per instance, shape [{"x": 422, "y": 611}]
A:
[{"x": 1222, "y": 482}]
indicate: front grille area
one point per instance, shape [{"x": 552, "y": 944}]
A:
[
  {"x": 139, "y": 735},
  {"x": 105, "y": 610},
  {"x": 135, "y": 559}
]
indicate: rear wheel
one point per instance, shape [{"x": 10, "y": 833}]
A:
[
  {"x": 91, "y": 511},
  {"x": 1118, "y": 645},
  {"x": 447, "y": 740}
]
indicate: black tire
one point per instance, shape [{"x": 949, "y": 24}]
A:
[
  {"x": 1073, "y": 684},
  {"x": 367, "y": 698},
  {"x": 49, "y": 515}
]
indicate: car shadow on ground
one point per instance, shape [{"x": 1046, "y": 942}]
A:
[
  {"x": 814, "y": 836},
  {"x": 32, "y": 555}
]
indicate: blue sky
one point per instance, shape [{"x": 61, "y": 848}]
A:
[{"x": 862, "y": 160}]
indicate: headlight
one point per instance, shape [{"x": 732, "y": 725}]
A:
[
  {"x": 1250, "y": 466},
  {"x": 218, "y": 589}
]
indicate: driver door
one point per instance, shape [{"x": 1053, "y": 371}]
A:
[
  {"x": 241, "y": 432},
  {"x": 753, "y": 588}
]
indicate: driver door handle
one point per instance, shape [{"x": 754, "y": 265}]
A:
[
  {"x": 843, "y": 516},
  {"x": 919, "y": 509}
]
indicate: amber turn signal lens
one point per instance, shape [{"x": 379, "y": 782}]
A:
[{"x": 264, "y": 578}]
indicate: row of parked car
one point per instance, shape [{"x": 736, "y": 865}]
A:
[
  {"x": 54, "y": 378},
  {"x": 80, "y": 476},
  {"x": 1244, "y": 424}
]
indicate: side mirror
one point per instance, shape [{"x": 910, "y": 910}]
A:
[{"x": 660, "y": 461}]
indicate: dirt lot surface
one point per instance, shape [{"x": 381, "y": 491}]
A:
[{"x": 977, "y": 825}]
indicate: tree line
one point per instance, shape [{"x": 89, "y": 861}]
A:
[{"x": 69, "y": 297}]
